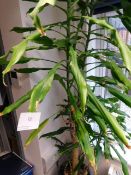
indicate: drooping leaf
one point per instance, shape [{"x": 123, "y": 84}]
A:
[
  {"x": 123, "y": 162},
  {"x": 18, "y": 51},
  {"x": 82, "y": 133},
  {"x": 116, "y": 40},
  {"x": 16, "y": 104},
  {"x": 83, "y": 138},
  {"x": 123, "y": 97},
  {"x": 81, "y": 82},
  {"x": 93, "y": 109},
  {"x": 42, "y": 88},
  {"x": 100, "y": 122},
  {"x": 34, "y": 14},
  {"x": 35, "y": 133},
  {"x": 40, "y": 4},
  {"x": 119, "y": 75},
  {"x": 109, "y": 118}
]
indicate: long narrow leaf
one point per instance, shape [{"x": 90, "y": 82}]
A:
[
  {"x": 30, "y": 70},
  {"x": 81, "y": 83},
  {"x": 37, "y": 9},
  {"x": 82, "y": 133},
  {"x": 34, "y": 134},
  {"x": 54, "y": 133},
  {"x": 16, "y": 104},
  {"x": 109, "y": 118},
  {"x": 18, "y": 52},
  {"x": 116, "y": 39},
  {"x": 42, "y": 88},
  {"x": 123, "y": 97}
]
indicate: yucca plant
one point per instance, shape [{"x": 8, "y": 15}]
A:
[{"x": 82, "y": 107}]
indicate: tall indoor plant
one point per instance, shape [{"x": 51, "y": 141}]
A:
[{"x": 82, "y": 106}]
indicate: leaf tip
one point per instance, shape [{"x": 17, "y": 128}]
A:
[
  {"x": 1, "y": 114},
  {"x": 128, "y": 146}
]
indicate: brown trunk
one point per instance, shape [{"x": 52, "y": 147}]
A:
[{"x": 75, "y": 152}]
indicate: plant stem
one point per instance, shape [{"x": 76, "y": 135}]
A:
[
  {"x": 89, "y": 28},
  {"x": 68, "y": 46},
  {"x": 75, "y": 152}
]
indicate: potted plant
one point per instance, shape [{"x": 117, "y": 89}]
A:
[{"x": 82, "y": 106}]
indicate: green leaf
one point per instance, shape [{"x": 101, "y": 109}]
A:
[
  {"x": 16, "y": 104},
  {"x": 118, "y": 75},
  {"x": 81, "y": 82},
  {"x": 100, "y": 122},
  {"x": 61, "y": 43},
  {"x": 44, "y": 40},
  {"x": 116, "y": 40},
  {"x": 93, "y": 109},
  {"x": 123, "y": 97},
  {"x": 83, "y": 138},
  {"x": 54, "y": 133},
  {"x": 107, "y": 151},
  {"x": 102, "y": 80},
  {"x": 82, "y": 133},
  {"x": 23, "y": 29},
  {"x": 23, "y": 60},
  {"x": 107, "y": 116},
  {"x": 61, "y": 80},
  {"x": 66, "y": 148},
  {"x": 99, "y": 153},
  {"x": 126, "y": 5},
  {"x": 27, "y": 59},
  {"x": 123, "y": 162},
  {"x": 40, "y": 5},
  {"x": 30, "y": 70},
  {"x": 34, "y": 134},
  {"x": 3, "y": 59},
  {"x": 42, "y": 88},
  {"x": 18, "y": 51}
]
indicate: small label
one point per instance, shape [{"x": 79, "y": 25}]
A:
[{"x": 28, "y": 121}]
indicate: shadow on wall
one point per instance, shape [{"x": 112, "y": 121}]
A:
[{"x": 104, "y": 165}]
